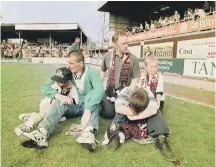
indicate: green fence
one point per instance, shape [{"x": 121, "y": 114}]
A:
[
  {"x": 165, "y": 65},
  {"x": 168, "y": 65},
  {"x": 18, "y": 60}
]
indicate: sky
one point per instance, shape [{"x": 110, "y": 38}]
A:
[{"x": 83, "y": 12}]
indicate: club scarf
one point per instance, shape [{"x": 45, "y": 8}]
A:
[
  {"x": 152, "y": 84},
  {"x": 124, "y": 74}
]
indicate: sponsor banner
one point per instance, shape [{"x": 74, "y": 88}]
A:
[
  {"x": 18, "y": 60},
  {"x": 159, "y": 32},
  {"x": 37, "y": 60},
  {"x": 49, "y": 60},
  {"x": 209, "y": 22},
  {"x": 160, "y": 50},
  {"x": 168, "y": 65},
  {"x": 162, "y": 32},
  {"x": 197, "y": 48},
  {"x": 200, "y": 68},
  {"x": 45, "y": 26},
  {"x": 141, "y": 63},
  {"x": 171, "y": 65},
  {"x": 135, "y": 50},
  {"x": 54, "y": 60}
]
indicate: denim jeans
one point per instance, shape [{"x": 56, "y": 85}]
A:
[{"x": 57, "y": 111}]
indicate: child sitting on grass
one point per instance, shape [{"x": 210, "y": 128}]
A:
[
  {"x": 137, "y": 117},
  {"x": 62, "y": 85},
  {"x": 132, "y": 102}
]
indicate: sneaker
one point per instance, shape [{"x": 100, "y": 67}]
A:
[
  {"x": 121, "y": 137},
  {"x": 18, "y": 131},
  {"x": 114, "y": 143},
  {"x": 87, "y": 139},
  {"x": 63, "y": 119},
  {"x": 25, "y": 127},
  {"x": 26, "y": 117},
  {"x": 163, "y": 145},
  {"x": 29, "y": 144},
  {"x": 37, "y": 140},
  {"x": 106, "y": 140}
]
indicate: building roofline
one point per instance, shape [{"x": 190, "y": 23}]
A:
[
  {"x": 13, "y": 24},
  {"x": 101, "y": 4}
]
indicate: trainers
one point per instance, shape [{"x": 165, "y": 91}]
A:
[
  {"x": 25, "y": 127},
  {"x": 163, "y": 145},
  {"x": 114, "y": 143},
  {"x": 63, "y": 119},
  {"x": 87, "y": 139},
  {"x": 106, "y": 140},
  {"x": 37, "y": 140},
  {"x": 26, "y": 117},
  {"x": 121, "y": 137},
  {"x": 147, "y": 140}
]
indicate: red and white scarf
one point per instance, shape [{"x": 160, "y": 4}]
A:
[
  {"x": 153, "y": 83},
  {"x": 124, "y": 74}
]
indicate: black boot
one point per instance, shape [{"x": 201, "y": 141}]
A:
[
  {"x": 113, "y": 136},
  {"x": 163, "y": 145}
]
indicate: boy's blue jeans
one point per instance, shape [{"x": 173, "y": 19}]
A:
[{"x": 57, "y": 111}]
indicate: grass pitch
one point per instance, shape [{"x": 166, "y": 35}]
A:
[{"x": 192, "y": 130}]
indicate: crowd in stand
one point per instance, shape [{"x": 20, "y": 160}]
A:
[
  {"x": 190, "y": 14},
  {"x": 25, "y": 50}
]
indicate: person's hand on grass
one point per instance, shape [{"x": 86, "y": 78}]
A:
[{"x": 63, "y": 99}]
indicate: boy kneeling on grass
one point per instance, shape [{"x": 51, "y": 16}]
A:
[{"x": 137, "y": 117}]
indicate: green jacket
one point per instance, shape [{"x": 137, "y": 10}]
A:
[
  {"x": 75, "y": 46},
  {"x": 92, "y": 93}
]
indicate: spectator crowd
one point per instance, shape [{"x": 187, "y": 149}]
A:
[
  {"x": 25, "y": 50},
  {"x": 190, "y": 14}
]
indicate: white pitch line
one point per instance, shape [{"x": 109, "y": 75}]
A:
[{"x": 188, "y": 100}]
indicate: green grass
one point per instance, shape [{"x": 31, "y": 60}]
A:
[
  {"x": 199, "y": 95},
  {"x": 192, "y": 127}
]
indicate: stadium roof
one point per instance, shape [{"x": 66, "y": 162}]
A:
[
  {"x": 66, "y": 31},
  {"x": 143, "y": 10}
]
